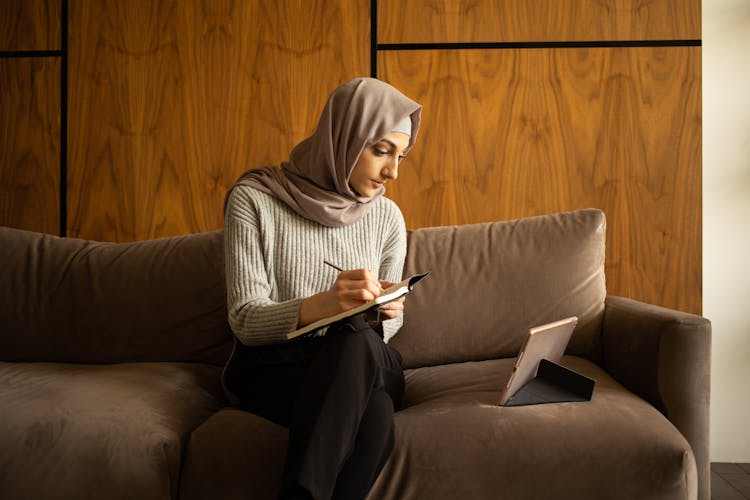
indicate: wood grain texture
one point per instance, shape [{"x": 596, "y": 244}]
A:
[
  {"x": 30, "y": 144},
  {"x": 30, "y": 25},
  {"x": 431, "y": 21},
  {"x": 171, "y": 101},
  {"x": 514, "y": 133}
]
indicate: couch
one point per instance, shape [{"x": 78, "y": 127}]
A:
[{"x": 111, "y": 356}]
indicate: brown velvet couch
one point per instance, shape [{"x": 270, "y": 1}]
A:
[{"x": 111, "y": 354}]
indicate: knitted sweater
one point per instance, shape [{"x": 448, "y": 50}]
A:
[{"x": 274, "y": 259}]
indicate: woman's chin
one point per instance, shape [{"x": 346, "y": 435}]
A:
[{"x": 367, "y": 191}]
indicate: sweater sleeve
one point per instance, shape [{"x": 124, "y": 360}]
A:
[
  {"x": 392, "y": 262},
  {"x": 253, "y": 316}
]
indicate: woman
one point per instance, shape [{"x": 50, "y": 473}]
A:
[{"x": 336, "y": 390}]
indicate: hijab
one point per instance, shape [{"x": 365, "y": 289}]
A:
[{"x": 314, "y": 182}]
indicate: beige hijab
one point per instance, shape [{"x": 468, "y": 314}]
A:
[{"x": 315, "y": 180}]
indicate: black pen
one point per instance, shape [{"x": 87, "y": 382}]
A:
[
  {"x": 333, "y": 266},
  {"x": 341, "y": 271}
]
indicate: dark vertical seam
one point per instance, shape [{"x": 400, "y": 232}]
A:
[
  {"x": 374, "y": 38},
  {"x": 64, "y": 120}
]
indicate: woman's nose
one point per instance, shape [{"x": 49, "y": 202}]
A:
[{"x": 391, "y": 170}]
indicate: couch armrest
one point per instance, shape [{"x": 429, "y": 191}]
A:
[{"x": 664, "y": 356}]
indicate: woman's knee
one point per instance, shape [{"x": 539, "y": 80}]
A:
[{"x": 351, "y": 343}]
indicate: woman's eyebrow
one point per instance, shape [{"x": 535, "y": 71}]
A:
[{"x": 392, "y": 144}]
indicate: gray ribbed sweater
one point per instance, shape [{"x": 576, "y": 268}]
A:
[{"x": 274, "y": 259}]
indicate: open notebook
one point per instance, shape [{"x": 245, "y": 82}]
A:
[{"x": 389, "y": 294}]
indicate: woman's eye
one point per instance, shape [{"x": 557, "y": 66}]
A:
[{"x": 380, "y": 152}]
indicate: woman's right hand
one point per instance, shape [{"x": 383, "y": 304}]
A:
[{"x": 351, "y": 289}]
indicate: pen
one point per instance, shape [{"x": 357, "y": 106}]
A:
[
  {"x": 341, "y": 271},
  {"x": 333, "y": 266},
  {"x": 377, "y": 319}
]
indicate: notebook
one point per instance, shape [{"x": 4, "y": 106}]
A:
[{"x": 392, "y": 293}]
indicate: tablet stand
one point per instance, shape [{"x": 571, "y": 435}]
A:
[{"x": 553, "y": 384}]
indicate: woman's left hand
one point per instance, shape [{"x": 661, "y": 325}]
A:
[{"x": 393, "y": 308}]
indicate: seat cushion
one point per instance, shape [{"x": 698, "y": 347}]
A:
[
  {"x": 453, "y": 441},
  {"x": 234, "y": 455},
  {"x": 99, "y": 431},
  {"x": 491, "y": 282}
]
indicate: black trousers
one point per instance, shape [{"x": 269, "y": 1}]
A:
[{"x": 336, "y": 394}]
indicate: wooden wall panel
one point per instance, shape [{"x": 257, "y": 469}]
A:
[
  {"x": 30, "y": 25},
  {"x": 30, "y": 144},
  {"x": 513, "y": 133},
  {"x": 441, "y": 21},
  {"x": 170, "y": 101}
]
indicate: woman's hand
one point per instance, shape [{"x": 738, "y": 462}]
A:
[
  {"x": 351, "y": 289},
  {"x": 393, "y": 308}
]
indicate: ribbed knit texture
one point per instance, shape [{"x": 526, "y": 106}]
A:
[{"x": 274, "y": 259}]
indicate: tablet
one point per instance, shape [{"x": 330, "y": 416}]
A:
[{"x": 542, "y": 342}]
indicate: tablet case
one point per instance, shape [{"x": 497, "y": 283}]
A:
[{"x": 553, "y": 384}]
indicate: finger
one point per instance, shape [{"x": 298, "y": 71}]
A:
[
  {"x": 371, "y": 286},
  {"x": 358, "y": 294},
  {"x": 390, "y": 313},
  {"x": 363, "y": 278},
  {"x": 358, "y": 274},
  {"x": 375, "y": 288},
  {"x": 392, "y": 306},
  {"x": 344, "y": 283}
]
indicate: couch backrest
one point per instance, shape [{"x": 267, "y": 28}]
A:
[
  {"x": 70, "y": 300},
  {"x": 491, "y": 282}
]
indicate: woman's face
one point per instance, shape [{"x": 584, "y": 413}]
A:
[{"x": 378, "y": 164}]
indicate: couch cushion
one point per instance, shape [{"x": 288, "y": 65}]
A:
[
  {"x": 119, "y": 429},
  {"x": 454, "y": 442},
  {"x": 233, "y": 454},
  {"x": 64, "y": 299},
  {"x": 491, "y": 282}
]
